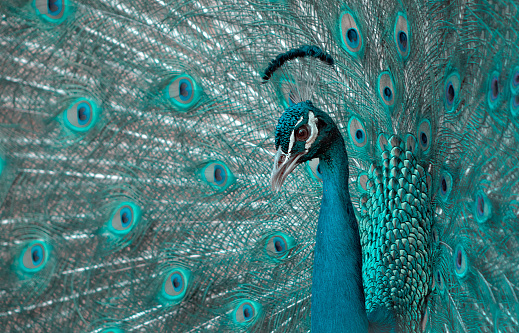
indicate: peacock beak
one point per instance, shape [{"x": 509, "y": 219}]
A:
[{"x": 284, "y": 164}]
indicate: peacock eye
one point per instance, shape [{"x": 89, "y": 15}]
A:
[
  {"x": 175, "y": 285},
  {"x": 278, "y": 245},
  {"x": 81, "y": 115},
  {"x": 495, "y": 87},
  {"x": 514, "y": 105},
  {"x": 452, "y": 86},
  {"x": 460, "y": 261},
  {"x": 483, "y": 207},
  {"x": 302, "y": 133},
  {"x": 386, "y": 88},
  {"x": 401, "y": 33},
  {"x": 218, "y": 175},
  {"x": 358, "y": 134},
  {"x": 34, "y": 257},
  {"x": 424, "y": 135},
  {"x": 352, "y": 38},
  {"x": 350, "y": 33},
  {"x": 450, "y": 93},
  {"x": 493, "y": 90},
  {"x": 445, "y": 185},
  {"x": 182, "y": 92},
  {"x": 514, "y": 83},
  {"x": 402, "y": 41},
  {"x": 245, "y": 312},
  {"x": 124, "y": 218},
  {"x": 51, "y": 10}
]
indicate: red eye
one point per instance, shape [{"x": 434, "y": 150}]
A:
[{"x": 302, "y": 133}]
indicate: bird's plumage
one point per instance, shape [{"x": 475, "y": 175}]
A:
[{"x": 136, "y": 147}]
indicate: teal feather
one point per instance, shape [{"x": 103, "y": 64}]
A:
[{"x": 137, "y": 140}]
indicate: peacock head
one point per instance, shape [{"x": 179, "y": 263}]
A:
[{"x": 303, "y": 133}]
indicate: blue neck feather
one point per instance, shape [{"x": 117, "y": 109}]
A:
[{"x": 338, "y": 303}]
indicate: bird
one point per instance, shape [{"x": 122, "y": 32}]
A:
[{"x": 144, "y": 183}]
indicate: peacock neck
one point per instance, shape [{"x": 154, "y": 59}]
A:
[{"x": 337, "y": 293}]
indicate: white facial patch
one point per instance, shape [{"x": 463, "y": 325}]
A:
[{"x": 312, "y": 122}]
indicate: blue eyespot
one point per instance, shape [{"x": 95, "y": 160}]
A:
[
  {"x": 177, "y": 282},
  {"x": 402, "y": 35},
  {"x": 423, "y": 138},
  {"x": 84, "y": 113},
  {"x": 493, "y": 89},
  {"x": 460, "y": 261},
  {"x": 357, "y": 132},
  {"x": 386, "y": 89},
  {"x": 514, "y": 106},
  {"x": 37, "y": 255},
  {"x": 185, "y": 90},
  {"x": 124, "y": 218},
  {"x": 402, "y": 41},
  {"x": 445, "y": 185},
  {"x": 351, "y": 35},
  {"x": 514, "y": 82},
  {"x": 483, "y": 207},
  {"x": 424, "y": 135},
  {"x": 388, "y": 95},
  {"x": 438, "y": 278},
  {"x": 174, "y": 287},
  {"x": 359, "y": 136},
  {"x": 55, "y": 6},
  {"x": 54, "y": 11},
  {"x": 450, "y": 93},
  {"x": 279, "y": 245},
  {"x": 218, "y": 175},
  {"x": 246, "y": 312},
  {"x": 452, "y": 85},
  {"x": 34, "y": 257},
  {"x": 352, "y": 38},
  {"x": 182, "y": 92},
  {"x": 81, "y": 115}
]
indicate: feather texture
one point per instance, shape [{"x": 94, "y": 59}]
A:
[{"x": 136, "y": 147}]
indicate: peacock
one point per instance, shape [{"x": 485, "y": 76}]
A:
[{"x": 259, "y": 166}]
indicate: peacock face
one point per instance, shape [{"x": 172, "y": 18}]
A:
[{"x": 303, "y": 132}]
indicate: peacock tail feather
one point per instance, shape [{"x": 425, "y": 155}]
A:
[{"x": 136, "y": 149}]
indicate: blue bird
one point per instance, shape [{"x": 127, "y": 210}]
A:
[{"x": 137, "y": 191}]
